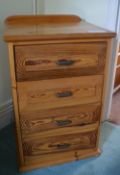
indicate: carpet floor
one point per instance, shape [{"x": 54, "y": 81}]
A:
[{"x": 108, "y": 163}]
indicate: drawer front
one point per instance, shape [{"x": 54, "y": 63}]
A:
[
  {"x": 35, "y": 146},
  {"x": 35, "y": 62},
  {"x": 57, "y": 118},
  {"x": 47, "y": 94}
]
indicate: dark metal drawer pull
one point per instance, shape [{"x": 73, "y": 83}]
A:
[
  {"x": 63, "y": 146},
  {"x": 64, "y": 62},
  {"x": 63, "y": 122},
  {"x": 64, "y": 94}
]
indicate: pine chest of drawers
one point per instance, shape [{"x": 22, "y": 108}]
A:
[{"x": 58, "y": 70}]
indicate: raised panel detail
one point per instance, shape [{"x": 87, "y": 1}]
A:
[
  {"x": 57, "y": 118},
  {"x": 39, "y": 95},
  {"x": 36, "y": 62},
  {"x": 56, "y": 144}
]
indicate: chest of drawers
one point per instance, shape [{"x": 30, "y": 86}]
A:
[{"x": 58, "y": 70}]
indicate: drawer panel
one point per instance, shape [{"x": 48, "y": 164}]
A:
[
  {"x": 35, "y": 62},
  {"x": 81, "y": 138},
  {"x": 57, "y": 118},
  {"x": 47, "y": 94}
]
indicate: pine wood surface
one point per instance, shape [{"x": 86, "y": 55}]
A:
[
  {"x": 80, "y": 115},
  {"x": 58, "y": 107},
  {"x": 54, "y": 144},
  {"x": 15, "y": 103},
  {"x": 57, "y": 158},
  {"x": 35, "y": 62},
  {"x": 46, "y": 94},
  {"x": 60, "y": 140},
  {"x": 41, "y": 19},
  {"x": 30, "y": 28}
]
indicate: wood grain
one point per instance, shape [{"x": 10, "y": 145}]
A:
[
  {"x": 46, "y": 94},
  {"x": 57, "y": 118},
  {"x": 62, "y": 143},
  {"x": 15, "y": 103},
  {"x": 30, "y": 29},
  {"x": 58, "y": 104},
  {"x": 87, "y": 134},
  {"x": 62, "y": 131},
  {"x": 41, "y": 19},
  {"x": 105, "y": 85},
  {"x": 36, "y": 62},
  {"x": 57, "y": 158}
]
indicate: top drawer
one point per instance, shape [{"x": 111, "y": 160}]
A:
[{"x": 46, "y": 61}]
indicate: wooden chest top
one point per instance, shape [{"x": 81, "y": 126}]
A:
[{"x": 34, "y": 28}]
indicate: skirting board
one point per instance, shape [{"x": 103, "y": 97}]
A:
[{"x": 6, "y": 114}]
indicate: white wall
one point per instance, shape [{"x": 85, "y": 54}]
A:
[
  {"x": 99, "y": 12},
  {"x": 40, "y": 6},
  {"x": 7, "y": 8}
]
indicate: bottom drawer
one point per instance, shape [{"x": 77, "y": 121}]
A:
[
  {"x": 72, "y": 138},
  {"x": 57, "y": 158}
]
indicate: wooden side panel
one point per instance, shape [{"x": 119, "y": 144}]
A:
[
  {"x": 58, "y": 118},
  {"x": 46, "y": 94},
  {"x": 15, "y": 103},
  {"x": 105, "y": 84},
  {"x": 36, "y": 62}
]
